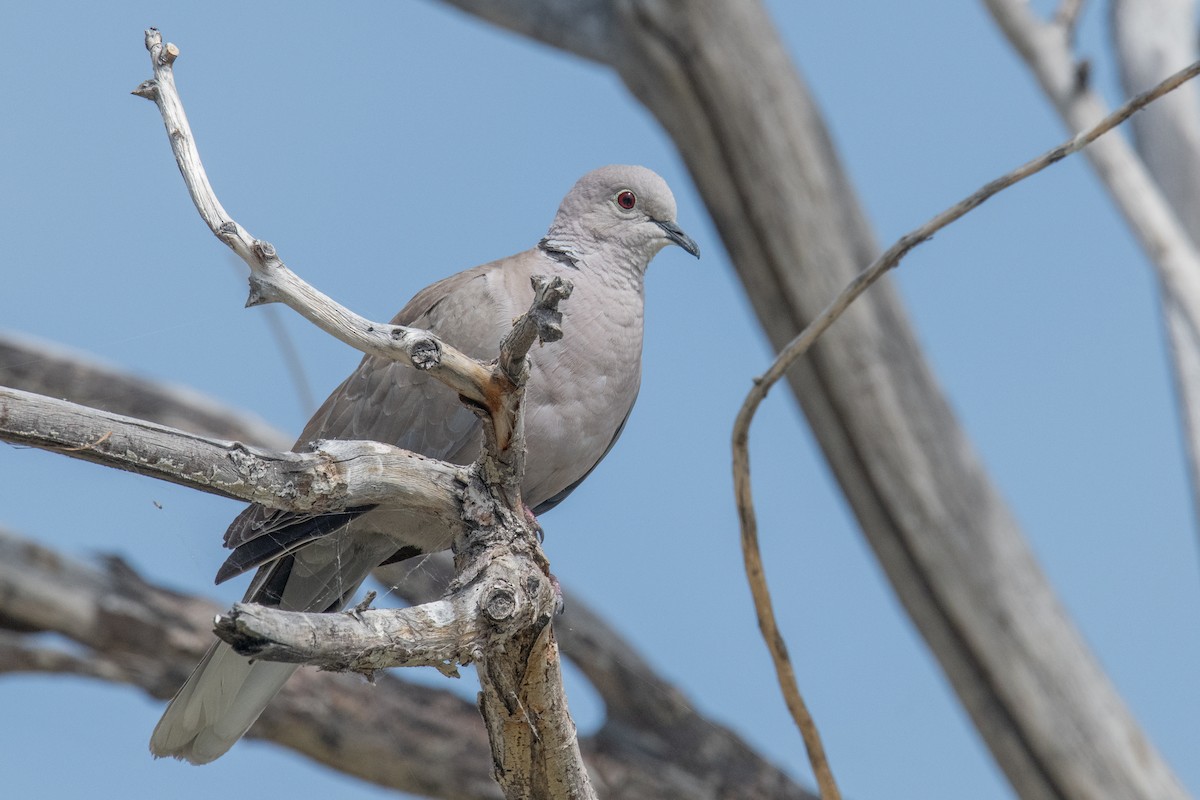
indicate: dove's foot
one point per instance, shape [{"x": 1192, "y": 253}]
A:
[{"x": 531, "y": 520}]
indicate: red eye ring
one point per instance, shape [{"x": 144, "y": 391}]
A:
[{"x": 626, "y": 199}]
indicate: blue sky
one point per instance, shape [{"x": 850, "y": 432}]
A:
[{"x": 382, "y": 149}]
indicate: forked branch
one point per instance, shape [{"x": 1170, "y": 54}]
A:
[{"x": 499, "y": 607}]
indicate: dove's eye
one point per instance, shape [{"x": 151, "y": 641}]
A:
[{"x": 626, "y": 199}]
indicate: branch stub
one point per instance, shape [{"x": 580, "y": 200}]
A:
[{"x": 501, "y": 602}]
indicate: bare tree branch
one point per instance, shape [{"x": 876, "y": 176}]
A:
[
  {"x": 643, "y": 711},
  {"x": 271, "y": 281},
  {"x": 484, "y": 607},
  {"x": 1166, "y": 243},
  {"x": 336, "y": 475},
  {"x": 55, "y": 371},
  {"x": 801, "y": 344},
  {"x": 392, "y": 733},
  {"x": 503, "y": 598},
  {"x": 412, "y": 738},
  {"x": 583, "y": 27},
  {"x": 653, "y": 738},
  {"x": 719, "y": 80},
  {"x": 17, "y": 655},
  {"x": 635, "y": 696},
  {"x": 1153, "y": 37}
]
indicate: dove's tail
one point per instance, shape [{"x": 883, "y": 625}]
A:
[
  {"x": 220, "y": 701},
  {"x": 227, "y": 692}
]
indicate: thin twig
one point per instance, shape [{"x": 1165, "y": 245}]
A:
[
  {"x": 291, "y": 359},
  {"x": 288, "y": 352},
  {"x": 801, "y": 344}
]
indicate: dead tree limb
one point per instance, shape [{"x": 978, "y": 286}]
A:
[
  {"x": 393, "y": 733},
  {"x": 1151, "y": 38},
  {"x": 502, "y": 599},
  {"x": 499, "y": 606},
  {"x": 1046, "y": 48},
  {"x": 55, "y": 371},
  {"x": 334, "y": 476},
  {"x": 654, "y": 742},
  {"x": 804, "y": 342},
  {"x": 719, "y": 80},
  {"x": 270, "y": 279}
]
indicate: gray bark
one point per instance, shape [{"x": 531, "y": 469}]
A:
[
  {"x": 718, "y": 79},
  {"x": 334, "y": 476},
  {"x": 52, "y": 370},
  {"x": 392, "y": 733},
  {"x": 1152, "y": 38},
  {"x": 654, "y": 744}
]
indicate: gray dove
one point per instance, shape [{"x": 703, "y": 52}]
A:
[{"x": 580, "y": 392}]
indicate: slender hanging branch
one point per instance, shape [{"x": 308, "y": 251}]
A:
[{"x": 751, "y": 551}]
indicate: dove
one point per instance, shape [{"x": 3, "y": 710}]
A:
[{"x": 579, "y": 394}]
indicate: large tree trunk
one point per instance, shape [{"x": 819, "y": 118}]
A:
[{"x": 718, "y": 78}]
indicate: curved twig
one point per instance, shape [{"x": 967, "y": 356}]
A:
[{"x": 801, "y": 344}]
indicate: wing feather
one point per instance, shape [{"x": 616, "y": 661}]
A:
[{"x": 387, "y": 401}]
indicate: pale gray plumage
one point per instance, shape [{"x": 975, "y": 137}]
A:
[{"x": 579, "y": 394}]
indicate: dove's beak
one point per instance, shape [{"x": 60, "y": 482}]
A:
[{"x": 677, "y": 236}]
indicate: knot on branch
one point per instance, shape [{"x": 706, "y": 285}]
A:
[
  {"x": 246, "y": 463},
  {"x": 227, "y": 231},
  {"x": 265, "y": 251},
  {"x": 147, "y": 89},
  {"x": 426, "y": 352},
  {"x": 500, "y": 605}
]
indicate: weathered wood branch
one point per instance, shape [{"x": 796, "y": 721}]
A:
[
  {"x": 654, "y": 744},
  {"x": 334, "y": 476},
  {"x": 412, "y": 738},
  {"x": 391, "y": 733},
  {"x": 1046, "y": 49},
  {"x": 474, "y": 615},
  {"x": 271, "y": 280},
  {"x": 50, "y": 369},
  {"x": 644, "y": 713},
  {"x": 439, "y": 634},
  {"x": 636, "y": 698},
  {"x": 1151, "y": 38},
  {"x": 801, "y": 345},
  {"x": 503, "y": 598},
  {"x": 497, "y": 614},
  {"x": 718, "y": 78}
]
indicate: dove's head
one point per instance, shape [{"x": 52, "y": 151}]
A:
[{"x": 621, "y": 212}]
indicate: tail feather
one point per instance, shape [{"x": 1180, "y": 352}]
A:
[
  {"x": 218, "y": 704},
  {"x": 227, "y": 692}
]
